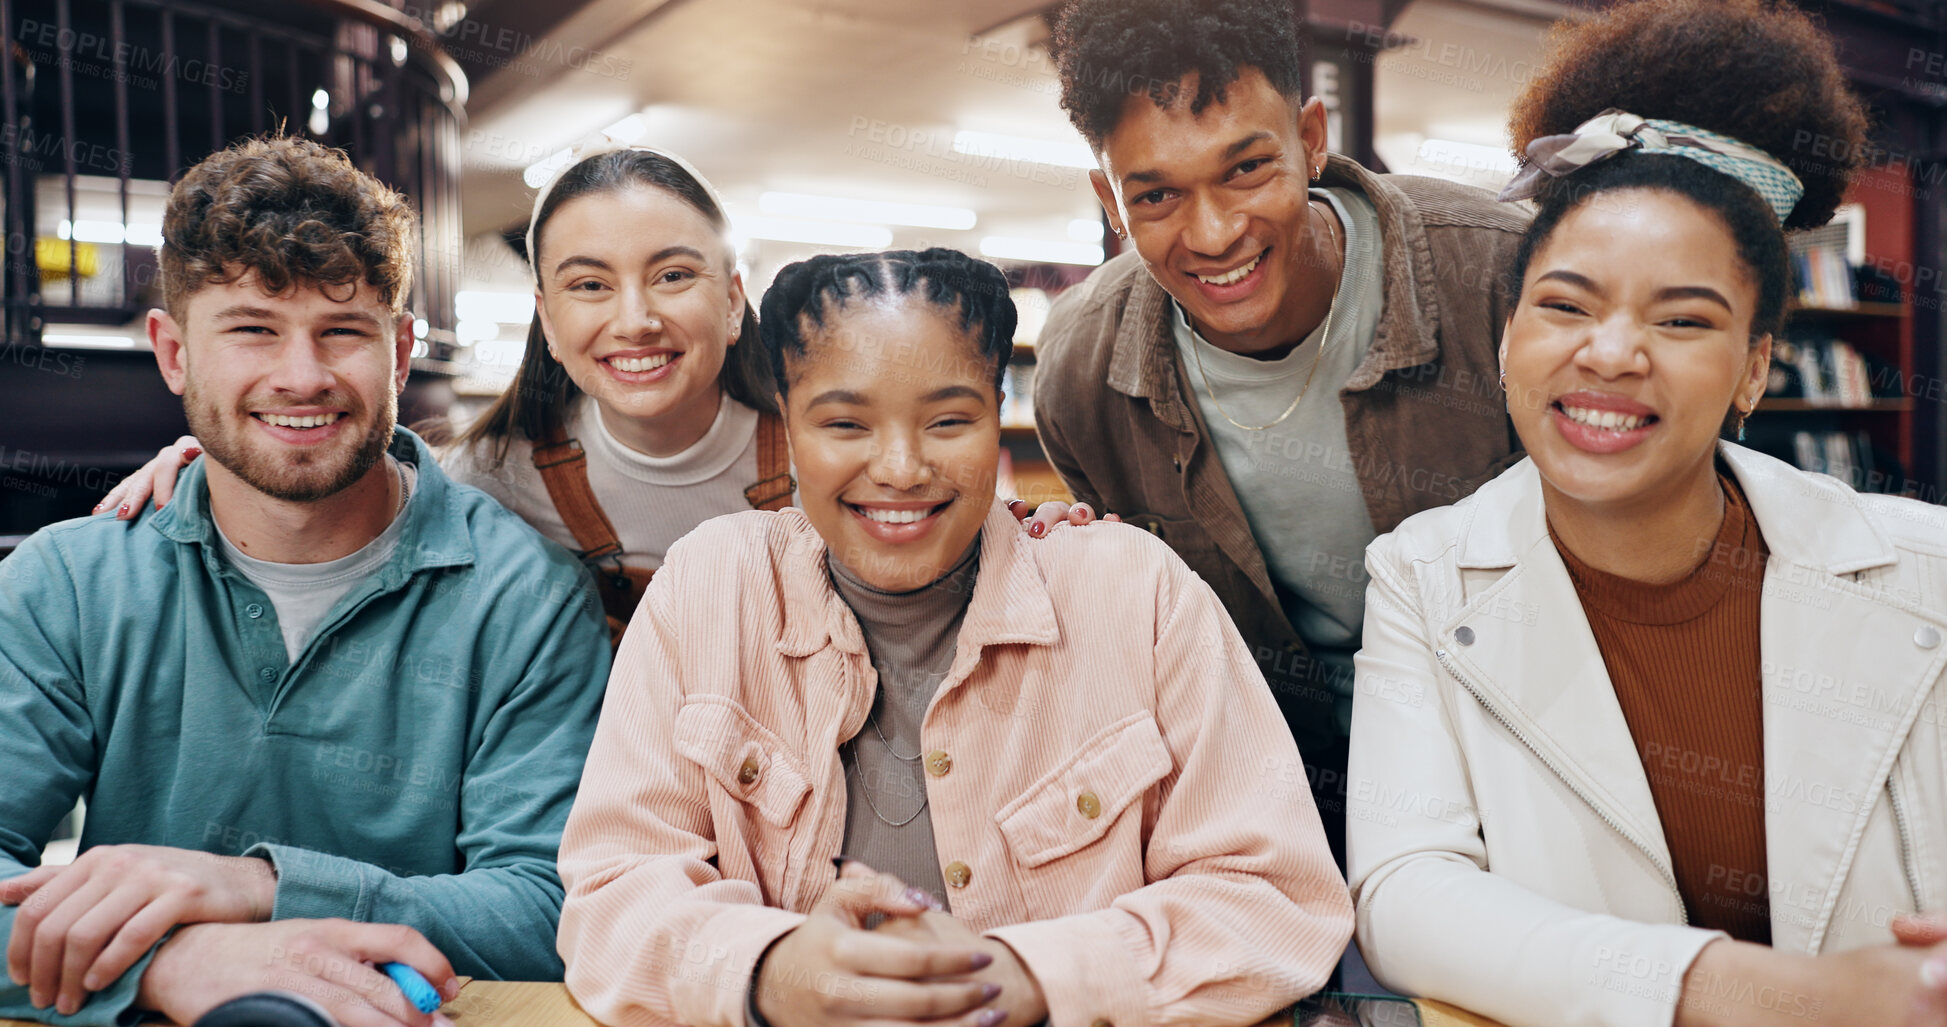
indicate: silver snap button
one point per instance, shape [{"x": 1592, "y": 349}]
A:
[
  {"x": 1464, "y": 635},
  {"x": 1927, "y": 637},
  {"x": 253, "y": 611}
]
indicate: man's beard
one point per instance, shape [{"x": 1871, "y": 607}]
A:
[{"x": 298, "y": 475}]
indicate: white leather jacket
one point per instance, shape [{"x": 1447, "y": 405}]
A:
[{"x": 1504, "y": 851}]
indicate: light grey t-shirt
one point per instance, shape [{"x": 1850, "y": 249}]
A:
[
  {"x": 1296, "y": 481},
  {"x": 302, "y": 595},
  {"x": 652, "y": 501},
  {"x": 911, "y": 637}
]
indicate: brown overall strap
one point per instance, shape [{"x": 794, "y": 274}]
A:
[
  {"x": 774, "y": 482},
  {"x": 564, "y": 470}
]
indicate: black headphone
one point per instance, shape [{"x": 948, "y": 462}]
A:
[{"x": 268, "y": 1009}]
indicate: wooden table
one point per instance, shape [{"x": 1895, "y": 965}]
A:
[{"x": 542, "y": 1004}]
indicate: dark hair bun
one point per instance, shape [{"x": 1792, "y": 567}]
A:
[{"x": 1759, "y": 72}]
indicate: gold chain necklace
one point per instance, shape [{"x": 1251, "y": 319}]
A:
[{"x": 1323, "y": 338}]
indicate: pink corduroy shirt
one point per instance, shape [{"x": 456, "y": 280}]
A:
[{"x": 1113, "y": 792}]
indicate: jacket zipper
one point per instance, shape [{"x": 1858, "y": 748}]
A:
[
  {"x": 1669, "y": 876},
  {"x": 1907, "y": 860}
]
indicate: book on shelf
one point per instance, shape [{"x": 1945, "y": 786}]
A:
[
  {"x": 1847, "y": 456},
  {"x": 1823, "y": 369},
  {"x": 1017, "y": 396},
  {"x": 1824, "y": 279}
]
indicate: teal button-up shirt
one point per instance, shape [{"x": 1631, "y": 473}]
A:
[{"x": 414, "y": 764}]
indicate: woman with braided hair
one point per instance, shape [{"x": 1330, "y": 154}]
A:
[
  {"x": 1648, "y": 730},
  {"x": 1053, "y": 780}
]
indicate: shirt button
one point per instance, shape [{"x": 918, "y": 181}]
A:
[
  {"x": 1464, "y": 635},
  {"x": 958, "y": 874},
  {"x": 1927, "y": 637},
  {"x": 253, "y": 611},
  {"x": 938, "y": 763},
  {"x": 747, "y": 774},
  {"x": 267, "y": 673},
  {"x": 1088, "y": 805}
]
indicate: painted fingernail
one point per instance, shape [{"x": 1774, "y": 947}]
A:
[
  {"x": 122, "y": 511},
  {"x": 918, "y": 898},
  {"x": 992, "y": 1017},
  {"x": 988, "y": 991},
  {"x": 982, "y": 960},
  {"x": 97, "y": 509},
  {"x": 1037, "y": 529},
  {"x": 191, "y": 453}
]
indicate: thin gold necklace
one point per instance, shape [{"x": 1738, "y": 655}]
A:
[{"x": 1323, "y": 338}]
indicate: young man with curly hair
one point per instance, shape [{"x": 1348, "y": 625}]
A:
[
  {"x": 328, "y": 708},
  {"x": 1294, "y": 353}
]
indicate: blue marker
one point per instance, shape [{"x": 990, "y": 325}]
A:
[{"x": 418, "y": 991}]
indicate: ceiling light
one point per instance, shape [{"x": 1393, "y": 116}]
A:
[
  {"x": 882, "y": 212},
  {"x": 1038, "y": 151},
  {"x": 510, "y": 308},
  {"x": 538, "y": 173},
  {"x": 110, "y": 232},
  {"x": 1467, "y": 156},
  {"x": 1010, "y": 248},
  {"x": 91, "y": 341},
  {"x": 468, "y": 332},
  {"x": 816, "y": 233}
]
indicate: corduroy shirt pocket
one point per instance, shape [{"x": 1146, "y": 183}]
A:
[
  {"x": 752, "y": 765},
  {"x": 1067, "y": 833}
]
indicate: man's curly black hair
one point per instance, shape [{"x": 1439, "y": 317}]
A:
[{"x": 1109, "y": 50}]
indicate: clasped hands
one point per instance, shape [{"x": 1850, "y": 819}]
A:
[
  {"x": 78, "y": 928},
  {"x": 920, "y": 966}
]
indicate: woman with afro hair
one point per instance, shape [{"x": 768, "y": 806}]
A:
[{"x": 1649, "y": 729}]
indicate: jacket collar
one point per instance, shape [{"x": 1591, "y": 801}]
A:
[
  {"x": 1010, "y": 600},
  {"x": 1142, "y": 362},
  {"x": 435, "y": 533},
  {"x": 1842, "y": 675},
  {"x": 1805, "y": 519}
]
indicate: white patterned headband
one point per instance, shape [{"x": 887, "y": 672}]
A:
[
  {"x": 581, "y": 153},
  {"x": 1614, "y": 131}
]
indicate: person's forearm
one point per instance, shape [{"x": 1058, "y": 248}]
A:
[
  {"x": 1739, "y": 984},
  {"x": 496, "y": 923}
]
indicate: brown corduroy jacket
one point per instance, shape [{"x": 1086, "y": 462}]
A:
[{"x": 1425, "y": 419}]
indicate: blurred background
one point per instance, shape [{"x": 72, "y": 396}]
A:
[{"x": 828, "y": 126}]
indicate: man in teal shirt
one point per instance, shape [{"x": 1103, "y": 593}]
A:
[{"x": 329, "y": 708}]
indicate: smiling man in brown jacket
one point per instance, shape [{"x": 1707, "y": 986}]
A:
[{"x": 1295, "y": 354}]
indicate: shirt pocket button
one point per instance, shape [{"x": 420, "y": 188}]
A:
[
  {"x": 958, "y": 874},
  {"x": 1088, "y": 805},
  {"x": 253, "y": 611},
  {"x": 938, "y": 763},
  {"x": 747, "y": 774}
]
